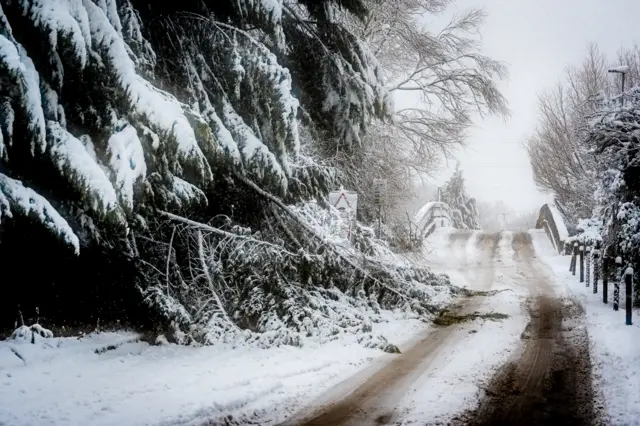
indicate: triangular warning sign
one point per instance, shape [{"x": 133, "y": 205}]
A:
[{"x": 342, "y": 197}]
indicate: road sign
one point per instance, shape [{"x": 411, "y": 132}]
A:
[
  {"x": 344, "y": 201},
  {"x": 379, "y": 190}
]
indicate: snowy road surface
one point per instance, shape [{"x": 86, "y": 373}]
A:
[
  {"x": 474, "y": 367},
  {"x": 524, "y": 371}
]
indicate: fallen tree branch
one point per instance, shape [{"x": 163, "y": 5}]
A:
[
  {"x": 217, "y": 231},
  {"x": 285, "y": 228},
  {"x": 205, "y": 269},
  {"x": 307, "y": 228}
]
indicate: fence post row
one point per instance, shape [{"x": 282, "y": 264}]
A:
[
  {"x": 628, "y": 281},
  {"x": 593, "y": 255},
  {"x": 588, "y": 265},
  {"x": 616, "y": 284},
  {"x": 581, "y": 249}
]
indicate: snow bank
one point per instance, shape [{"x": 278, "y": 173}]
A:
[{"x": 615, "y": 351}]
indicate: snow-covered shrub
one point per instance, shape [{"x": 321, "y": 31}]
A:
[
  {"x": 161, "y": 340},
  {"x": 378, "y": 342},
  {"x": 589, "y": 233},
  {"x": 29, "y": 333}
]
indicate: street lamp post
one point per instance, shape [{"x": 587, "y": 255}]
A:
[{"x": 623, "y": 69}]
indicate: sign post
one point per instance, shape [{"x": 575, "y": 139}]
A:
[{"x": 379, "y": 196}]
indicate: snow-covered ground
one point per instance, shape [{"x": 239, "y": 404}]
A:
[
  {"x": 64, "y": 382},
  {"x": 614, "y": 346}
]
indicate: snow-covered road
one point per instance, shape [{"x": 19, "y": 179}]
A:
[{"x": 442, "y": 371}]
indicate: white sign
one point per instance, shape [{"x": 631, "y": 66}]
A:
[
  {"x": 379, "y": 190},
  {"x": 345, "y": 201}
]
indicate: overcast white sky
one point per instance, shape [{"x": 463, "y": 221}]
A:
[{"x": 538, "y": 39}]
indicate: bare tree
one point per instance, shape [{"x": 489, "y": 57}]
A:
[
  {"x": 443, "y": 71},
  {"x": 630, "y": 57},
  {"x": 561, "y": 161}
]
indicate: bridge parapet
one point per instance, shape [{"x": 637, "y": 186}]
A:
[
  {"x": 432, "y": 215},
  {"x": 554, "y": 222}
]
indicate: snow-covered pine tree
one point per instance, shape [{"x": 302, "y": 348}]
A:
[
  {"x": 110, "y": 93},
  {"x": 112, "y": 108},
  {"x": 463, "y": 207},
  {"x": 120, "y": 118}
]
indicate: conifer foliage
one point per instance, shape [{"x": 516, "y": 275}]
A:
[
  {"x": 121, "y": 118},
  {"x": 106, "y": 102},
  {"x": 464, "y": 211}
]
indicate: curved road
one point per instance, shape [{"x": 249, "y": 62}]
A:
[{"x": 548, "y": 382}]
